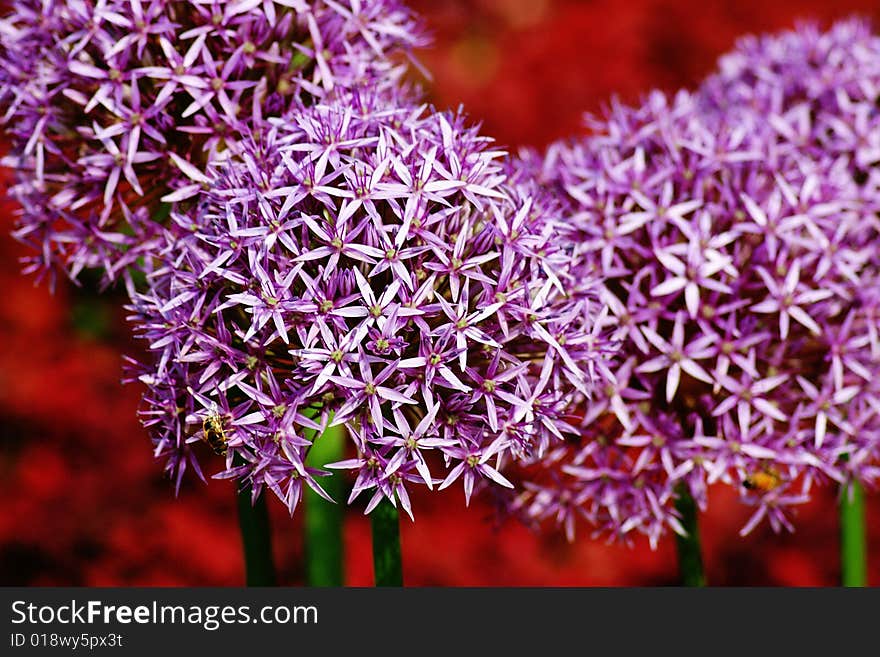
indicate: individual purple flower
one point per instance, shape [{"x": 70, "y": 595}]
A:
[
  {"x": 374, "y": 264},
  {"x": 115, "y": 108},
  {"x": 743, "y": 274}
]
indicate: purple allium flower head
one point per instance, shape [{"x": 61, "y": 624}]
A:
[
  {"x": 818, "y": 90},
  {"x": 375, "y": 264},
  {"x": 116, "y": 107},
  {"x": 743, "y": 273}
]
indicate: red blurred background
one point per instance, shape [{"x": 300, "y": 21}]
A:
[{"x": 87, "y": 505}]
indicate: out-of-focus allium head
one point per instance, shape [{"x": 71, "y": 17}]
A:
[
  {"x": 818, "y": 90},
  {"x": 115, "y": 107},
  {"x": 743, "y": 274},
  {"x": 369, "y": 264}
]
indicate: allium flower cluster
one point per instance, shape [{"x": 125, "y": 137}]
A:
[
  {"x": 743, "y": 273},
  {"x": 115, "y": 108},
  {"x": 372, "y": 264},
  {"x": 817, "y": 90}
]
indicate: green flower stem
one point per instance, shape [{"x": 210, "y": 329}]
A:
[
  {"x": 323, "y": 519},
  {"x": 853, "y": 541},
  {"x": 387, "y": 563},
  {"x": 253, "y": 519},
  {"x": 690, "y": 560}
]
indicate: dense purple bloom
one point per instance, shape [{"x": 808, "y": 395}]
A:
[
  {"x": 116, "y": 107},
  {"x": 817, "y": 90},
  {"x": 744, "y": 274},
  {"x": 375, "y": 264}
]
